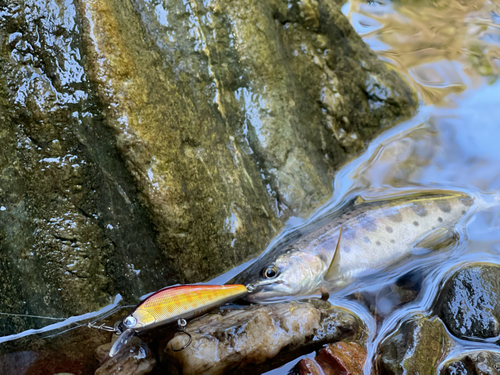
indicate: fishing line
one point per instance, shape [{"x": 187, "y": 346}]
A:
[
  {"x": 63, "y": 323},
  {"x": 101, "y": 317},
  {"x": 31, "y": 316}
]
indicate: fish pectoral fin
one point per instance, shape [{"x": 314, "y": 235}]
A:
[
  {"x": 333, "y": 270},
  {"x": 437, "y": 239},
  {"x": 121, "y": 341}
]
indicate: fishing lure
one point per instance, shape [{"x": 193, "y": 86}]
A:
[{"x": 173, "y": 303}]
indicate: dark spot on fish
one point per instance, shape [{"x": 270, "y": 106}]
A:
[
  {"x": 366, "y": 239},
  {"x": 397, "y": 217},
  {"x": 433, "y": 228},
  {"x": 388, "y": 229},
  {"x": 419, "y": 210},
  {"x": 415, "y": 223},
  {"x": 463, "y": 212},
  {"x": 368, "y": 224},
  {"x": 348, "y": 234},
  {"x": 444, "y": 206},
  {"x": 392, "y": 241},
  {"x": 440, "y": 219},
  {"x": 467, "y": 201},
  {"x": 378, "y": 243},
  {"x": 347, "y": 249}
]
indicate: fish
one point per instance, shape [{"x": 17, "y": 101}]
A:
[
  {"x": 173, "y": 303},
  {"x": 363, "y": 237}
]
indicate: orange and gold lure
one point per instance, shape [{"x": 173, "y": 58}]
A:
[{"x": 175, "y": 303}]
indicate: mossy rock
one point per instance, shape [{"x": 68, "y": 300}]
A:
[{"x": 146, "y": 145}]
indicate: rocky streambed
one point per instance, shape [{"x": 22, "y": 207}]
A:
[{"x": 258, "y": 338}]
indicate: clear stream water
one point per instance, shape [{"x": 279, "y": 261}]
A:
[{"x": 449, "y": 51}]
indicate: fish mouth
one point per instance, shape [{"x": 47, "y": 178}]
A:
[
  {"x": 263, "y": 291},
  {"x": 252, "y": 287}
]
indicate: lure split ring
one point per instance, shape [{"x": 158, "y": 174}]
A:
[
  {"x": 181, "y": 327},
  {"x": 104, "y": 327}
]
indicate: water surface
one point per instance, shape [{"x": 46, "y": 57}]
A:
[{"x": 449, "y": 52}]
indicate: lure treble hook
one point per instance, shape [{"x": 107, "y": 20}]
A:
[{"x": 181, "y": 327}]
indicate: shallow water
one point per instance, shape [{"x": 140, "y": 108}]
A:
[{"x": 449, "y": 52}]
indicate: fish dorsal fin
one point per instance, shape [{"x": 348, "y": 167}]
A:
[{"x": 333, "y": 269}]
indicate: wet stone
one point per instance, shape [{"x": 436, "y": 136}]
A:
[
  {"x": 258, "y": 338},
  {"x": 476, "y": 363},
  {"x": 469, "y": 303},
  {"x": 415, "y": 348},
  {"x": 346, "y": 358}
]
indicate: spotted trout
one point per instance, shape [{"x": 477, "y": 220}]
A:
[{"x": 363, "y": 237}]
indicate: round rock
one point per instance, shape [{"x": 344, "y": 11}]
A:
[
  {"x": 469, "y": 303},
  {"x": 483, "y": 362},
  {"x": 416, "y": 347}
]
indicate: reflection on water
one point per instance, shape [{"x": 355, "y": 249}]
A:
[{"x": 442, "y": 47}]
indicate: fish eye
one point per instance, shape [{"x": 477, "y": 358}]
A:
[
  {"x": 270, "y": 272},
  {"x": 130, "y": 321}
]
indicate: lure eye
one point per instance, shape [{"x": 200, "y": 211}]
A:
[
  {"x": 130, "y": 321},
  {"x": 270, "y": 272}
]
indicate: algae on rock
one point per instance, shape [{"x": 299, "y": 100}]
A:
[
  {"x": 416, "y": 347},
  {"x": 232, "y": 115},
  {"x": 73, "y": 230},
  {"x": 152, "y": 142}
]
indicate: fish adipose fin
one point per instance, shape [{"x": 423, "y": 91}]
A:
[
  {"x": 333, "y": 271},
  {"x": 437, "y": 239}
]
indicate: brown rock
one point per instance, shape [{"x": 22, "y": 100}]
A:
[
  {"x": 308, "y": 366},
  {"x": 341, "y": 358},
  {"x": 344, "y": 357},
  {"x": 416, "y": 347},
  {"x": 250, "y": 339}
]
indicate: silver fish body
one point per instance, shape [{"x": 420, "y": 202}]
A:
[{"x": 374, "y": 235}]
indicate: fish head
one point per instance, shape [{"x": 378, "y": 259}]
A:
[
  {"x": 138, "y": 320},
  {"x": 289, "y": 275}
]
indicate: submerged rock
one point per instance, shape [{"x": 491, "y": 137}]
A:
[
  {"x": 476, "y": 363},
  {"x": 345, "y": 358},
  {"x": 259, "y": 337},
  {"x": 469, "y": 303},
  {"x": 415, "y": 348}
]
